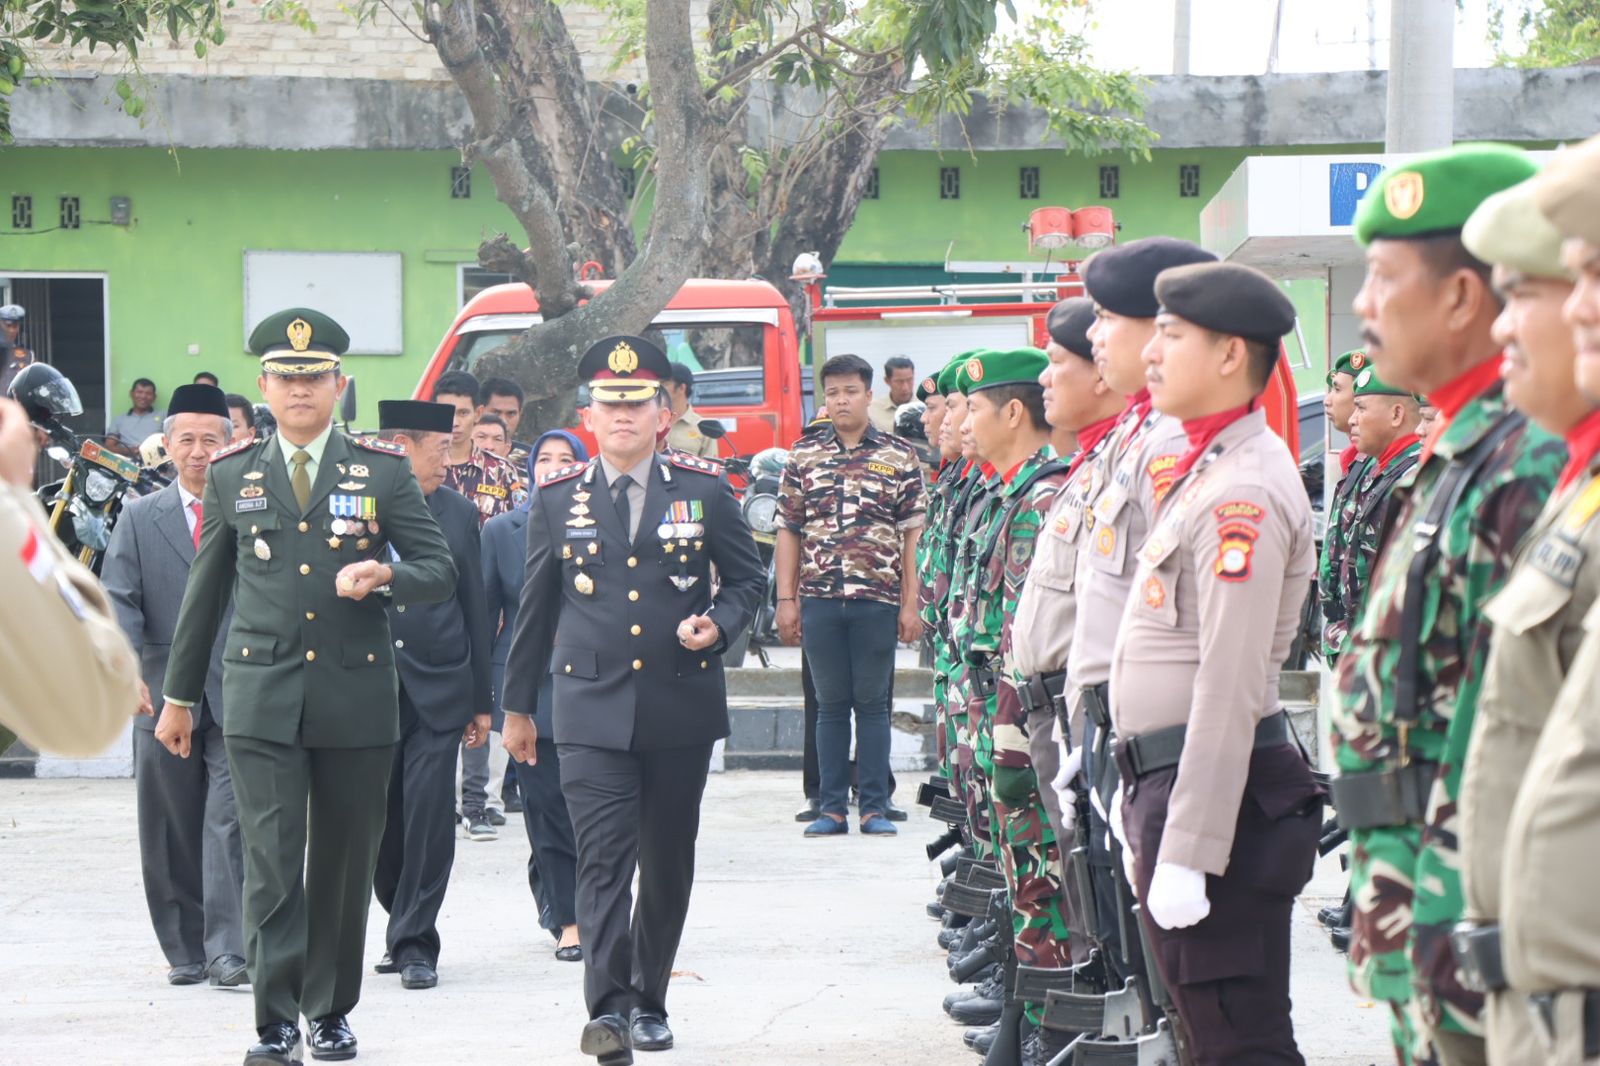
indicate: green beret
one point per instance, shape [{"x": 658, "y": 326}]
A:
[
  {"x": 928, "y": 386},
  {"x": 1508, "y": 229},
  {"x": 1350, "y": 363},
  {"x": 948, "y": 376},
  {"x": 1369, "y": 384},
  {"x": 299, "y": 341},
  {"x": 1436, "y": 193},
  {"x": 1229, "y": 298},
  {"x": 993, "y": 369},
  {"x": 1568, "y": 191}
]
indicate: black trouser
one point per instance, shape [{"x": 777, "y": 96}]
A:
[
  {"x": 632, "y": 809},
  {"x": 1229, "y": 974},
  {"x": 419, "y": 839},
  {"x": 553, "y": 855},
  {"x": 810, "y": 773}
]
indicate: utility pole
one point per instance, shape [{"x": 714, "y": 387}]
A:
[
  {"x": 1420, "y": 113},
  {"x": 1180, "y": 36}
]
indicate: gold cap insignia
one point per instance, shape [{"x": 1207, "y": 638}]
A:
[
  {"x": 299, "y": 334},
  {"x": 1403, "y": 195},
  {"x": 974, "y": 370},
  {"x": 623, "y": 359}
]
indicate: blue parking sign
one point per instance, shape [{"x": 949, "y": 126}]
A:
[{"x": 1347, "y": 184}]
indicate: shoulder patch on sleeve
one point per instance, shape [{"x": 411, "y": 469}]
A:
[
  {"x": 1238, "y": 541},
  {"x": 1162, "y": 471},
  {"x": 235, "y": 448},
  {"x": 695, "y": 463},
  {"x": 377, "y": 444},
  {"x": 563, "y": 474},
  {"x": 1236, "y": 509}
]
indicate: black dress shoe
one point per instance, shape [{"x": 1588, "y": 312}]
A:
[
  {"x": 810, "y": 812},
  {"x": 279, "y": 1046},
  {"x": 229, "y": 971},
  {"x": 649, "y": 1031},
  {"x": 418, "y": 974},
  {"x": 979, "y": 1009},
  {"x": 607, "y": 1039},
  {"x": 191, "y": 974},
  {"x": 386, "y": 965},
  {"x": 331, "y": 1038},
  {"x": 893, "y": 813},
  {"x": 570, "y": 953},
  {"x": 1340, "y": 939}
]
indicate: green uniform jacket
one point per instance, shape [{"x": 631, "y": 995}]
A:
[
  {"x": 1335, "y": 540},
  {"x": 302, "y": 665}
]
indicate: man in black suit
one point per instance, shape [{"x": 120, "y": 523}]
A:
[
  {"x": 618, "y": 608},
  {"x": 442, "y": 653}
]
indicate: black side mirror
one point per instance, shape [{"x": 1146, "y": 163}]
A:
[
  {"x": 347, "y": 402},
  {"x": 710, "y": 427}
]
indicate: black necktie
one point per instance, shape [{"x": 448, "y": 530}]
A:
[{"x": 623, "y": 512}]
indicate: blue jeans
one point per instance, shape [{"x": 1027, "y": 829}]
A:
[{"x": 849, "y": 645}]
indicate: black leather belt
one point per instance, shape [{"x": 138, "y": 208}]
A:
[
  {"x": 1097, "y": 705},
  {"x": 1149, "y": 752},
  {"x": 1038, "y": 692},
  {"x": 1384, "y": 797},
  {"x": 1543, "y": 1006},
  {"x": 1477, "y": 952}
]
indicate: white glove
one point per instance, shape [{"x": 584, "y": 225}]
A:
[
  {"x": 1177, "y": 897},
  {"x": 1061, "y": 784},
  {"x": 1118, "y": 830}
]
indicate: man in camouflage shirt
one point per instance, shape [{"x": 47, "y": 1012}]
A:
[
  {"x": 1409, "y": 676},
  {"x": 1005, "y": 411},
  {"x": 492, "y": 484},
  {"x": 849, "y": 511},
  {"x": 1383, "y": 430},
  {"x": 1338, "y": 406}
]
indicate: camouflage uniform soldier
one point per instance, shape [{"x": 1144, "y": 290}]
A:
[
  {"x": 1005, "y": 410},
  {"x": 969, "y": 690},
  {"x": 1539, "y": 615},
  {"x": 1338, "y": 405},
  {"x": 1408, "y": 679}
]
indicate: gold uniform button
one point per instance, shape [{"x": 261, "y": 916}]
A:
[
  {"x": 683, "y": 558},
  {"x": 399, "y": 643},
  {"x": 371, "y": 658},
  {"x": 311, "y": 616},
  {"x": 305, "y": 527},
  {"x": 633, "y": 561},
  {"x": 703, "y": 664},
  {"x": 638, "y": 664},
  {"x": 633, "y": 594},
  {"x": 401, "y": 608},
  {"x": 311, "y": 656},
  {"x": 569, "y": 668},
  {"x": 636, "y": 630},
  {"x": 305, "y": 568},
  {"x": 245, "y": 652}
]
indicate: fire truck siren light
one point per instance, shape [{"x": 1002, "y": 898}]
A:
[{"x": 1090, "y": 228}]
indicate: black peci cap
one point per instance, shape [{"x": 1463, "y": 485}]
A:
[
  {"x": 416, "y": 416},
  {"x": 1228, "y": 298},
  {"x": 198, "y": 400},
  {"x": 1068, "y": 325},
  {"x": 1123, "y": 279}
]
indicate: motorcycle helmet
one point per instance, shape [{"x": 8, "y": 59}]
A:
[
  {"x": 12, "y": 313},
  {"x": 908, "y": 421},
  {"x": 46, "y": 393},
  {"x": 153, "y": 452},
  {"x": 769, "y": 462}
]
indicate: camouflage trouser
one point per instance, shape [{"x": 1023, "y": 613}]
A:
[
  {"x": 968, "y": 782},
  {"x": 942, "y": 730}
]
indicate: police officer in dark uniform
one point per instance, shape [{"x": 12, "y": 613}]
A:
[
  {"x": 442, "y": 653},
  {"x": 296, "y": 528},
  {"x": 618, "y": 607}
]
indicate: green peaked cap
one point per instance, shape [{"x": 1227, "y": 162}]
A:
[
  {"x": 299, "y": 341},
  {"x": 1437, "y": 192},
  {"x": 992, "y": 369}
]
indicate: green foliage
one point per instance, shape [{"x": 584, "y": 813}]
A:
[
  {"x": 119, "y": 26},
  {"x": 1557, "y": 33}
]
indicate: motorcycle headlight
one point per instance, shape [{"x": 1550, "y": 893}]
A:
[
  {"x": 762, "y": 513},
  {"x": 99, "y": 486}
]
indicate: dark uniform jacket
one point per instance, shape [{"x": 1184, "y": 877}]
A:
[
  {"x": 442, "y": 650},
  {"x": 303, "y": 665},
  {"x": 601, "y": 615},
  {"x": 505, "y": 555}
]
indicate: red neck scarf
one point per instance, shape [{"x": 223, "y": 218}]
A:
[
  {"x": 987, "y": 469},
  {"x": 1088, "y": 437},
  {"x": 1583, "y": 441},
  {"x": 1449, "y": 399},
  {"x": 1138, "y": 405},
  {"x": 1007, "y": 477},
  {"x": 1202, "y": 431},
  {"x": 1399, "y": 445},
  {"x": 1347, "y": 459}
]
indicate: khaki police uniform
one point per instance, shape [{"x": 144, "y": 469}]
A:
[{"x": 684, "y": 435}]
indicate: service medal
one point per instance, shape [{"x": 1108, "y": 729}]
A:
[
  {"x": 584, "y": 584},
  {"x": 665, "y": 531},
  {"x": 334, "y": 542},
  {"x": 361, "y": 545},
  {"x": 263, "y": 552},
  {"x": 250, "y": 492},
  {"x": 358, "y": 470},
  {"x": 684, "y": 582},
  {"x": 338, "y": 527}
]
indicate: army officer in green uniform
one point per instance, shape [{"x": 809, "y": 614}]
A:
[{"x": 296, "y": 529}]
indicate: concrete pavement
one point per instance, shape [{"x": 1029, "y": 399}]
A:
[{"x": 798, "y": 952}]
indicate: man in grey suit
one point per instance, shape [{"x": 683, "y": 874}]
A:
[
  {"x": 189, "y": 845},
  {"x": 442, "y": 653}
]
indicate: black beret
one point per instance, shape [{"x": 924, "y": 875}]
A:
[
  {"x": 1068, "y": 325},
  {"x": 1122, "y": 279},
  {"x": 416, "y": 416},
  {"x": 1227, "y": 298},
  {"x": 198, "y": 400}
]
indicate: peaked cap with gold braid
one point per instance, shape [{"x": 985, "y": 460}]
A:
[
  {"x": 623, "y": 369},
  {"x": 299, "y": 341}
]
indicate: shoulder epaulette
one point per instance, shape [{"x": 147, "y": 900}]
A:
[
  {"x": 236, "y": 447},
  {"x": 378, "y": 444},
  {"x": 563, "y": 474},
  {"x": 695, "y": 463}
]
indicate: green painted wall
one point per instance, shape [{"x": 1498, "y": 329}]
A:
[{"x": 176, "y": 275}]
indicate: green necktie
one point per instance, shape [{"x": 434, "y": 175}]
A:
[{"x": 300, "y": 480}]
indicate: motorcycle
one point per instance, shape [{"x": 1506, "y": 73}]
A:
[
  {"x": 761, "y": 473},
  {"x": 84, "y": 506}
]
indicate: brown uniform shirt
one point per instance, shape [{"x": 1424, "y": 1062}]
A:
[
  {"x": 1125, "y": 485},
  {"x": 1217, "y": 595},
  {"x": 492, "y": 484},
  {"x": 1538, "y": 624}
]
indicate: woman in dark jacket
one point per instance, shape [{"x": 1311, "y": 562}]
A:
[{"x": 553, "y": 862}]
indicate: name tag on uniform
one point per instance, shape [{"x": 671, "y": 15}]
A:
[
  {"x": 1558, "y": 559},
  {"x": 881, "y": 468},
  {"x": 582, "y": 534},
  {"x": 249, "y": 505},
  {"x": 493, "y": 490}
]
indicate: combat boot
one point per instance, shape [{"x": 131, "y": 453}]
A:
[
  {"x": 981, "y": 1039},
  {"x": 1041, "y": 1046},
  {"x": 989, "y": 977},
  {"x": 983, "y": 1007}
]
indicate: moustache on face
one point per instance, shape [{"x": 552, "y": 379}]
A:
[{"x": 1369, "y": 337}]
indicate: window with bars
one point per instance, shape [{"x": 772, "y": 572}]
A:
[
  {"x": 949, "y": 183},
  {"x": 460, "y": 183},
  {"x": 22, "y": 212},
  {"x": 71, "y": 217},
  {"x": 1189, "y": 180},
  {"x": 1110, "y": 182},
  {"x": 872, "y": 185},
  {"x": 1028, "y": 183}
]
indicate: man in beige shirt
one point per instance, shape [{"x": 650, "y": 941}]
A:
[
  {"x": 1217, "y": 594},
  {"x": 899, "y": 382},
  {"x": 684, "y": 434}
]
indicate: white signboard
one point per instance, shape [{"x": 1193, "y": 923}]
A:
[{"x": 359, "y": 290}]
